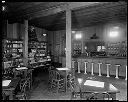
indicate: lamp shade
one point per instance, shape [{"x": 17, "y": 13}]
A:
[{"x": 80, "y": 80}]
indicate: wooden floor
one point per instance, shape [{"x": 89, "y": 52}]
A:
[{"x": 40, "y": 87}]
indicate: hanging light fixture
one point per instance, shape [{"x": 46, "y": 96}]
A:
[
  {"x": 3, "y": 6},
  {"x": 3, "y": 1}
]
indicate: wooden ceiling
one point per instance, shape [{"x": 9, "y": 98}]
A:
[{"x": 51, "y": 15}]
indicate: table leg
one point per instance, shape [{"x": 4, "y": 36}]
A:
[
  {"x": 31, "y": 81},
  {"x": 11, "y": 95},
  {"x": 66, "y": 82},
  {"x": 113, "y": 96}
]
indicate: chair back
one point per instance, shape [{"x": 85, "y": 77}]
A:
[
  {"x": 56, "y": 75},
  {"x": 72, "y": 84},
  {"x": 51, "y": 74},
  {"x": 28, "y": 74},
  {"x": 24, "y": 86},
  {"x": 3, "y": 96}
]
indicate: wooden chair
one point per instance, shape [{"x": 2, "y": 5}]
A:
[
  {"x": 29, "y": 78},
  {"x": 51, "y": 74},
  {"x": 87, "y": 95},
  {"x": 23, "y": 88},
  {"x": 75, "y": 94},
  {"x": 58, "y": 81},
  {"x": 17, "y": 73},
  {"x": 4, "y": 96},
  {"x": 70, "y": 78}
]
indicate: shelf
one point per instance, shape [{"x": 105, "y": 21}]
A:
[
  {"x": 13, "y": 47},
  {"x": 40, "y": 47}
]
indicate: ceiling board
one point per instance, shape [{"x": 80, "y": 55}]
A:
[{"x": 86, "y": 16}]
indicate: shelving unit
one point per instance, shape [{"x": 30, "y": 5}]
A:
[
  {"x": 77, "y": 48},
  {"x": 12, "y": 53},
  {"x": 118, "y": 49},
  {"x": 38, "y": 55},
  {"x": 100, "y": 48}
]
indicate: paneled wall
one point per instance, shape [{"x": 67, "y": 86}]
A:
[
  {"x": 16, "y": 31},
  {"x": 40, "y": 32},
  {"x": 56, "y": 42},
  {"x": 4, "y": 28},
  {"x": 57, "y": 39}
]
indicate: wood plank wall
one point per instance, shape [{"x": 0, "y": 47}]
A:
[
  {"x": 57, "y": 44},
  {"x": 57, "y": 39}
]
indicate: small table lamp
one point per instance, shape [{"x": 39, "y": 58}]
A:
[{"x": 80, "y": 80}]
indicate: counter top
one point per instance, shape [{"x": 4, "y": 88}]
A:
[{"x": 103, "y": 57}]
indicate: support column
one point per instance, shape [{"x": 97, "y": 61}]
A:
[
  {"x": 126, "y": 73},
  {"x": 85, "y": 71},
  {"x": 117, "y": 70},
  {"x": 68, "y": 38},
  {"x": 99, "y": 64},
  {"x": 25, "y": 42},
  {"x": 68, "y": 41}
]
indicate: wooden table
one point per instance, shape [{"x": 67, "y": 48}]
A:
[
  {"x": 11, "y": 87},
  {"x": 94, "y": 85},
  {"x": 64, "y": 69},
  {"x": 20, "y": 69}
]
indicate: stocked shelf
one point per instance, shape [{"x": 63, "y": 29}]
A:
[
  {"x": 38, "y": 53},
  {"x": 12, "y": 53}
]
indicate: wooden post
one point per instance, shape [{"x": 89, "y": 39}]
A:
[
  {"x": 117, "y": 70},
  {"x": 85, "y": 71},
  {"x": 92, "y": 69},
  {"x": 99, "y": 64},
  {"x": 108, "y": 70},
  {"x": 25, "y": 42},
  {"x": 126, "y": 73},
  {"x": 68, "y": 41},
  {"x": 68, "y": 38}
]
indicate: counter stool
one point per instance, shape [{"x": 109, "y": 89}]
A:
[
  {"x": 99, "y": 66},
  {"x": 85, "y": 71},
  {"x": 73, "y": 64},
  {"x": 108, "y": 64},
  {"x": 78, "y": 67},
  {"x": 73, "y": 67},
  {"x": 126, "y": 73},
  {"x": 92, "y": 68},
  {"x": 117, "y": 71}
]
